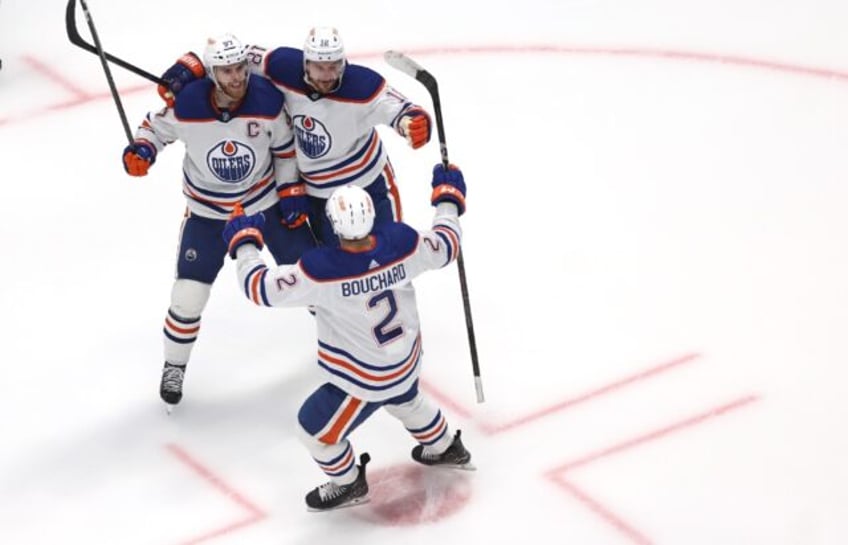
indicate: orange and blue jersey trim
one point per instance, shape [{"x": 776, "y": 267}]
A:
[
  {"x": 181, "y": 330},
  {"x": 223, "y": 203},
  {"x": 432, "y": 432},
  {"x": 408, "y": 109},
  {"x": 350, "y": 169},
  {"x": 368, "y": 376},
  {"x": 285, "y": 151},
  {"x": 254, "y": 286},
  {"x": 342, "y": 421},
  {"x": 451, "y": 240},
  {"x": 339, "y": 465}
]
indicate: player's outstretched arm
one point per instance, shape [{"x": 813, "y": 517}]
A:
[{"x": 441, "y": 245}]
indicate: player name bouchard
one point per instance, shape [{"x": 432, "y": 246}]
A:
[{"x": 375, "y": 282}]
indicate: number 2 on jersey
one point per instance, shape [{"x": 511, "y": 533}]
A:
[{"x": 385, "y": 331}]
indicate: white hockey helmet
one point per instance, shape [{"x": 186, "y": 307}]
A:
[
  {"x": 323, "y": 44},
  {"x": 351, "y": 211},
  {"x": 223, "y": 50}
]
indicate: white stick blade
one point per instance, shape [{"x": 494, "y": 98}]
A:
[{"x": 401, "y": 62}]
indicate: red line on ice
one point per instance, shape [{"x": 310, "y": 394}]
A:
[
  {"x": 82, "y": 96},
  {"x": 557, "y": 474},
  {"x": 254, "y": 513},
  {"x": 593, "y": 394},
  {"x": 492, "y": 429}
]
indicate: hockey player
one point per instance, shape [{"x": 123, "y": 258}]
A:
[
  {"x": 334, "y": 107},
  {"x": 369, "y": 339},
  {"x": 239, "y": 149}
]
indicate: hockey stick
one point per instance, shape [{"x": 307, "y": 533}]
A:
[
  {"x": 76, "y": 39},
  {"x": 99, "y": 50},
  {"x": 411, "y": 68}
]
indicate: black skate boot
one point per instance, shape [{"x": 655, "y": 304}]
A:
[
  {"x": 171, "y": 387},
  {"x": 455, "y": 456},
  {"x": 330, "y": 496}
]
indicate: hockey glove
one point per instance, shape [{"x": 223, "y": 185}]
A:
[
  {"x": 138, "y": 157},
  {"x": 416, "y": 127},
  {"x": 187, "y": 69},
  {"x": 293, "y": 204},
  {"x": 241, "y": 229},
  {"x": 448, "y": 186}
]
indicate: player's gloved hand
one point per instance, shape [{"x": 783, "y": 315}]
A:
[
  {"x": 138, "y": 157},
  {"x": 241, "y": 229},
  {"x": 293, "y": 204},
  {"x": 448, "y": 186},
  {"x": 416, "y": 127},
  {"x": 188, "y": 68}
]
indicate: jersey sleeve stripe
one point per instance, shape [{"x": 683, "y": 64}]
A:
[
  {"x": 254, "y": 286},
  {"x": 288, "y": 145},
  {"x": 285, "y": 155},
  {"x": 284, "y": 151},
  {"x": 407, "y": 109},
  {"x": 451, "y": 239}
]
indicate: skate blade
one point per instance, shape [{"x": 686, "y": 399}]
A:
[
  {"x": 351, "y": 503},
  {"x": 465, "y": 467},
  {"x": 169, "y": 408},
  {"x": 468, "y": 466}
]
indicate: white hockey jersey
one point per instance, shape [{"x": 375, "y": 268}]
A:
[
  {"x": 369, "y": 338},
  {"x": 237, "y": 155},
  {"x": 337, "y": 143}
]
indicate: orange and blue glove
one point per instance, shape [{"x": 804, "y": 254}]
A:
[
  {"x": 416, "y": 127},
  {"x": 293, "y": 204},
  {"x": 448, "y": 186},
  {"x": 188, "y": 68},
  {"x": 138, "y": 157},
  {"x": 241, "y": 229}
]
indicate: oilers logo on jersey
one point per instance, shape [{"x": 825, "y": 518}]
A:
[
  {"x": 313, "y": 139},
  {"x": 231, "y": 161}
]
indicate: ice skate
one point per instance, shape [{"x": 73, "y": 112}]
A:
[
  {"x": 171, "y": 387},
  {"x": 456, "y": 456},
  {"x": 331, "y": 496}
]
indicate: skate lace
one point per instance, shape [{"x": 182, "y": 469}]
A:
[
  {"x": 172, "y": 378},
  {"x": 454, "y": 454},
  {"x": 330, "y": 490}
]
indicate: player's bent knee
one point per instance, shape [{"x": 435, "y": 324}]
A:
[
  {"x": 405, "y": 410},
  {"x": 308, "y": 440},
  {"x": 189, "y": 297}
]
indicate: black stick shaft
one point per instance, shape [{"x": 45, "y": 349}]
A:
[
  {"x": 76, "y": 39},
  {"x": 432, "y": 86},
  {"x": 115, "y": 96}
]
